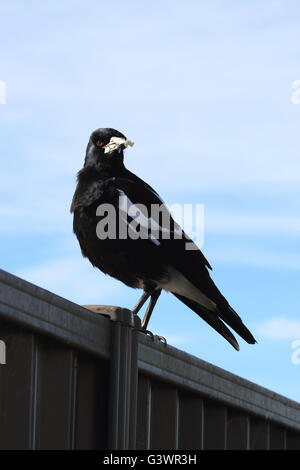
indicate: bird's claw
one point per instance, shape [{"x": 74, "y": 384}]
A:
[
  {"x": 162, "y": 339},
  {"x": 148, "y": 333}
]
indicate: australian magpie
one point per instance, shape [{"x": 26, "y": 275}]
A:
[{"x": 118, "y": 233}]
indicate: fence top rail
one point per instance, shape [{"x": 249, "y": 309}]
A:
[
  {"x": 40, "y": 310},
  {"x": 185, "y": 371}
]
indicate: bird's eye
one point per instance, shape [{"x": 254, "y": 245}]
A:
[{"x": 99, "y": 143}]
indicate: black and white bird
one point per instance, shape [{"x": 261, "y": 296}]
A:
[{"x": 152, "y": 260}]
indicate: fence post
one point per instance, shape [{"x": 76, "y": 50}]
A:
[{"x": 123, "y": 380}]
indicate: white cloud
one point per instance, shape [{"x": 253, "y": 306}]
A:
[
  {"x": 279, "y": 328},
  {"x": 190, "y": 96}
]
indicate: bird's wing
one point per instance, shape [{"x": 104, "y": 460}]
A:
[
  {"x": 135, "y": 192},
  {"x": 187, "y": 274}
]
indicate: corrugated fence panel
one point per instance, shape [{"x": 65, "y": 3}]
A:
[
  {"x": 17, "y": 388},
  {"x": 292, "y": 440},
  {"x": 143, "y": 413},
  {"x": 190, "y": 428},
  {"x": 54, "y": 385},
  {"x": 237, "y": 430},
  {"x": 216, "y": 409},
  {"x": 91, "y": 403},
  {"x": 171, "y": 417},
  {"x": 259, "y": 434},
  {"x": 277, "y": 437},
  {"x": 55, "y": 395},
  {"x": 51, "y": 396},
  {"x": 164, "y": 416},
  {"x": 214, "y": 431}
]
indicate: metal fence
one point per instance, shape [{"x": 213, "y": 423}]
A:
[{"x": 74, "y": 379}]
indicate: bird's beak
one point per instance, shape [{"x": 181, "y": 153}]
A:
[{"x": 115, "y": 143}]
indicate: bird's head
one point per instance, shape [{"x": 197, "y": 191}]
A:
[{"x": 105, "y": 148}]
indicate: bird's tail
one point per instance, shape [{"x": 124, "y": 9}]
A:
[
  {"x": 212, "y": 318},
  {"x": 232, "y": 319}
]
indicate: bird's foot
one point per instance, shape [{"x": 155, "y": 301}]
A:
[
  {"x": 147, "y": 333},
  {"x": 154, "y": 337},
  {"x": 162, "y": 339}
]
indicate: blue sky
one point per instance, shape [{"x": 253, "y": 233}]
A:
[{"x": 205, "y": 91}]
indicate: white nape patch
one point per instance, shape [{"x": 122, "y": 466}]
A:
[
  {"x": 179, "y": 284},
  {"x": 115, "y": 143}
]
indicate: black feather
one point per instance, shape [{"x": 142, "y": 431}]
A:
[{"x": 145, "y": 262}]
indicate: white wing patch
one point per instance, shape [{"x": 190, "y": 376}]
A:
[
  {"x": 150, "y": 226},
  {"x": 135, "y": 211}
]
